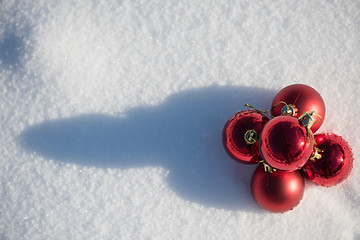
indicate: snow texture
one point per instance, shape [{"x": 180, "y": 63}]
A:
[{"x": 112, "y": 112}]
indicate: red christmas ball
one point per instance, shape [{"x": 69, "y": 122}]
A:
[
  {"x": 332, "y": 163},
  {"x": 278, "y": 191},
  {"x": 285, "y": 144},
  {"x": 304, "y": 99},
  {"x": 240, "y": 136}
]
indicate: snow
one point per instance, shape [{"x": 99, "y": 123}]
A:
[{"x": 112, "y": 113}]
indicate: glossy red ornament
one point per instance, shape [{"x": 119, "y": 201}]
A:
[
  {"x": 285, "y": 144},
  {"x": 335, "y": 161},
  {"x": 304, "y": 98},
  {"x": 234, "y": 136},
  {"x": 278, "y": 191}
]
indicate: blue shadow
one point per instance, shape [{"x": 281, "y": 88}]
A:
[
  {"x": 11, "y": 50},
  {"x": 183, "y": 135}
]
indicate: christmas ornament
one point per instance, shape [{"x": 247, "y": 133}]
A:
[
  {"x": 277, "y": 191},
  {"x": 331, "y": 162},
  {"x": 241, "y": 134},
  {"x": 285, "y": 143},
  {"x": 286, "y": 148},
  {"x": 298, "y": 99}
]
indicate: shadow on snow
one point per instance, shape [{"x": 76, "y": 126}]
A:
[{"x": 183, "y": 135}]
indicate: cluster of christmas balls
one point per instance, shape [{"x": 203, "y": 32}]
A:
[{"x": 283, "y": 142}]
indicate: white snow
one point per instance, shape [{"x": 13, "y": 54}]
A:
[{"x": 111, "y": 115}]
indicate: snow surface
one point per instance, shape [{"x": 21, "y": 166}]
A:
[{"x": 111, "y": 115}]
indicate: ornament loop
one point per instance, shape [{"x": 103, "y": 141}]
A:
[
  {"x": 251, "y": 136},
  {"x": 259, "y": 111},
  {"x": 315, "y": 156},
  {"x": 319, "y": 119},
  {"x": 278, "y": 104},
  {"x": 267, "y": 167}
]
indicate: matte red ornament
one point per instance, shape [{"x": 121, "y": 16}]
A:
[
  {"x": 240, "y": 136},
  {"x": 278, "y": 191},
  {"x": 334, "y": 163},
  {"x": 304, "y": 98},
  {"x": 285, "y": 144}
]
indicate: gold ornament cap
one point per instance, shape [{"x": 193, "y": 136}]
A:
[
  {"x": 251, "y": 136},
  {"x": 289, "y": 110},
  {"x": 307, "y": 119}
]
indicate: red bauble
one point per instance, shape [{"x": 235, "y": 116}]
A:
[
  {"x": 304, "y": 98},
  {"x": 234, "y": 132},
  {"x": 335, "y": 161},
  {"x": 278, "y": 191},
  {"x": 285, "y": 144}
]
